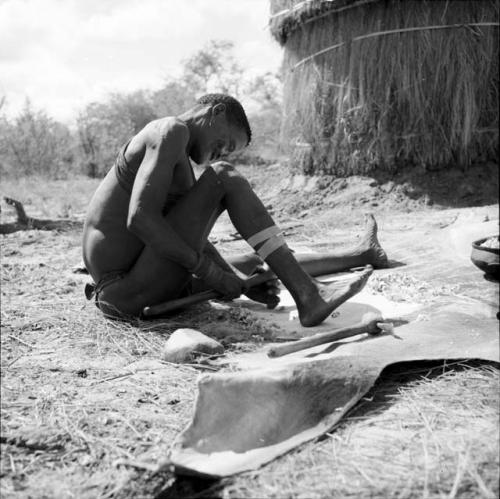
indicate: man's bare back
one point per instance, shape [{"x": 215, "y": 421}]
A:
[{"x": 108, "y": 244}]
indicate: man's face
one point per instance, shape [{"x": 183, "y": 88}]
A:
[
  {"x": 224, "y": 139},
  {"x": 218, "y": 138}
]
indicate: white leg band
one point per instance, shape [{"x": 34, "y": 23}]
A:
[
  {"x": 272, "y": 244},
  {"x": 263, "y": 235}
]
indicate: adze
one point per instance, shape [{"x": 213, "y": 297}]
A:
[
  {"x": 210, "y": 294},
  {"x": 371, "y": 323}
]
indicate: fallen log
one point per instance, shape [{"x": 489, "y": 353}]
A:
[{"x": 24, "y": 222}]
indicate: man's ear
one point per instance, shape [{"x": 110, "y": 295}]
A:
[{"x": 219, "y": 108}]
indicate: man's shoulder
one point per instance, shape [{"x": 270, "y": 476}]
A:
[{"x": 166, "y": 130}]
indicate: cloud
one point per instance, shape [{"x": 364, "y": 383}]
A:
[{"x": 65, "y": 53}]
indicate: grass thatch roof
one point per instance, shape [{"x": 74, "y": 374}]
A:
[
  {"x": 382, "y": 84},
  {"x": 288, "y": 15}
]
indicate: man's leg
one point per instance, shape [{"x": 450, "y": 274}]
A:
[
  {"x": 249, "y": 216},
  {"x": 153, "y": 280},
  {"x": 367, "y": 252}
]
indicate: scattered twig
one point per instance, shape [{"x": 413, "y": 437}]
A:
[
  {"x": 206, "y": 367},
  {"x": 20, "y": 441},
  {"x": 130, "y": 425},
  {"x": 447, "y": 224},
  {"x": 30, "y": 464},
  {"x": 15, "y": 360},
  {"x": 21, "y": 341},
  {"x": 111, "y": 378},
  {"x": 131, "y": 373},
  {"x": 140, "y": 465},
  {"x": 12, "y": 464}
]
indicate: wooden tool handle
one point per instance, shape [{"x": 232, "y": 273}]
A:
[
  {"x": 368, "y": 324},
  {"x": 210, "y": 294}
]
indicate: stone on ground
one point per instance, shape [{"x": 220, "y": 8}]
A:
[{"x": 184, "y": 344}]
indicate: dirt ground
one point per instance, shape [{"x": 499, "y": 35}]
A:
[{"x": 89, "y": 408}]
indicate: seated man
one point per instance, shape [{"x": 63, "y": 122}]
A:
[{"x": 145, "y": 235}]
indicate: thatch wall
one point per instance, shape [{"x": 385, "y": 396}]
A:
[{"x": 380, "y": 84}]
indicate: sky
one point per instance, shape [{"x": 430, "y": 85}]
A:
[{"x": 63, "y": 54}]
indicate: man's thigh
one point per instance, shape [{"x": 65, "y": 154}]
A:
[{"x": 154, "y": 278}]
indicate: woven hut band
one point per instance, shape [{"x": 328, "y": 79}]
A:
[
  {"x": 271, "y": 245},
  {"x": 263, "y": 235}
]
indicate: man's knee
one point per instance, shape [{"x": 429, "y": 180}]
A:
[
  {"x": 227, "y": 174},
  {"x": 222, "y": 168}
]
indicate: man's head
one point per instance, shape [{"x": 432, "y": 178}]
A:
[{"x": 221, "y": 128}]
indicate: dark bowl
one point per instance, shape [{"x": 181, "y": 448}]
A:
[{"x": 486, "y": 259}]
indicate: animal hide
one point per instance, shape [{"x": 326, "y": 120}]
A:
[{"x": 243, "y": 420}]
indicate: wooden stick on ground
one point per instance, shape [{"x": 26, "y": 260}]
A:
[
  {"x": 169, "y": 306},
  {"x": 370, "y": 323}
]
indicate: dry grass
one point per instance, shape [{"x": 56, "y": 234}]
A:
[
  {"x": 85, "y": 401},
  {"x": 79, "y": 393},
  {"x": 427, "y": 98}
]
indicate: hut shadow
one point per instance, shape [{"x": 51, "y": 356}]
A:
[
  {"x": 448, "y": 187},
  {"x": 396, "y": 376}
]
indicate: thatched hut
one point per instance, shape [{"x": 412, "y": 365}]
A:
[{"x": 378, "y": 84}]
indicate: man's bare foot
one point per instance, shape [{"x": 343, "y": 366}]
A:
[
  {"x": 330, "y": 297},
  {"x": 369, "y": 244}
]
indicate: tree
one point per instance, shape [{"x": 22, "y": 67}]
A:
[
  {"x": 135, "y": 107},
  {"x": 102, "y": 129},
  {"x": 34, "y": 143},
  {"x": 263, "y": 99},
  {"x": 266, "y": 90},
  {"x": 214, "y": 69},
  {"x": 174, "y": 98}
]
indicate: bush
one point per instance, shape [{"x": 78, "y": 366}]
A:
[{"x": 33, "y": 143}]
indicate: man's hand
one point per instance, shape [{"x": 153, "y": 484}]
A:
[
  {"x": 227, "y": 283},
  {"x": 267, "y": 292}
]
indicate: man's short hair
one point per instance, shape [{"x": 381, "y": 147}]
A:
[{"x": 234, "y": 110}]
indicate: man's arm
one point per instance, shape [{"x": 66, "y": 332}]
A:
[
  {"x": 164, "y": 148},
  {"x": 267, "y": 292}
]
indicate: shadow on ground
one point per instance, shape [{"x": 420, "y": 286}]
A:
[
  {"x": 408, "y": 189},
  {"x": 395, "y": 376},
  {"x": 185, "y": 487},
  {"x": 451, "y": 188},
  {"x": 165, "y": 485}
]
